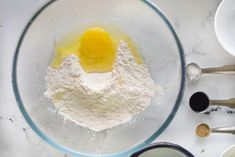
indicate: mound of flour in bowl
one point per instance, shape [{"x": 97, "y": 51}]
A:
[{"x": 100, "y": 101}]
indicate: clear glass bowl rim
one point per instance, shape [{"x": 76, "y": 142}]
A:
[{"x": 118, "y": 154}]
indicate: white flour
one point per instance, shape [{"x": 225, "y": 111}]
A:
[{"x": 100, "y": 101}]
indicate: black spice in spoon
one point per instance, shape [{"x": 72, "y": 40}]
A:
[{"x": 199, "y": 102}]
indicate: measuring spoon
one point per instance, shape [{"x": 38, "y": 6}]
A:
[
  {"x": 194, "y": 71},
  {"x": 200, "y": 102},
  {"x": 203, "y": 130}
]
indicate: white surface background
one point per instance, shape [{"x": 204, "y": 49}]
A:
[{"x": 193, "y": 21}]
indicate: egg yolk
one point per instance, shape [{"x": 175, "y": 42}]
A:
[{"x": 97, "y": 51}]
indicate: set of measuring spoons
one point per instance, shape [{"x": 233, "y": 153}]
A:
[{"x": 200, "y": 102}]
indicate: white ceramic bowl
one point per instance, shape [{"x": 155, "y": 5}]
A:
[
  {"x": 230, "y": 152},
  {"x": 225, "y": 24}
]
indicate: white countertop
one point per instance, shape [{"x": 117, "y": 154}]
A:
[{"x": 193, "y": 21}]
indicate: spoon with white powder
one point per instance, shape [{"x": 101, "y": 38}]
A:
[{"x": 194, "y": 71}]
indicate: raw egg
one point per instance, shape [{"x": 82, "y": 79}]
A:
[
  {"x": 64, "y": 52},
  {"x": 97, "y": 51}
]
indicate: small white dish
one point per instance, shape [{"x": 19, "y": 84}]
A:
[
  {"x": 225, "y": 25},
  {"x": 230, "y": 152}
]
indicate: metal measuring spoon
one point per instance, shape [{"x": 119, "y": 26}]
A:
[
  {"x": 200, "y": 102},
  {"x": 194, "y": 72},
  {"x": 203, "y": 130}
]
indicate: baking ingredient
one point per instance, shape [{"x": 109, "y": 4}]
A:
[
  {"x": 193, "y": 71},
  {"x": 100, "y": 101},
  {"x": 199, "y": 102},
  {"x": 97, "y": 50},
  {"x": 203, "y": 130},
  {"x": 63, "y": 52}
]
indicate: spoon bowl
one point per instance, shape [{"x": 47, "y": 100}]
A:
[{"x": 193, "y": 72}]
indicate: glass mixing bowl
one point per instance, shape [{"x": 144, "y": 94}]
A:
[{"x": 158, "y": 44}]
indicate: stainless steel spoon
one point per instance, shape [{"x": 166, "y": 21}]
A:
[
  {"x": 203, "y": 130},
  {"x": 194, "y": 71},
  {"x": 200, "y": 102},
  {"x": 229, "y": 130}
]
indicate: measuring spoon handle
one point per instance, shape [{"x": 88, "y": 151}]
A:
[
  {"x": 227, "y": 102},
  {"x": 226, "y": 69},
  {"x": 230, "y": 129}
]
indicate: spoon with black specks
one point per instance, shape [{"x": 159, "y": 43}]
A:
[{"x": 200, "y": 102}]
